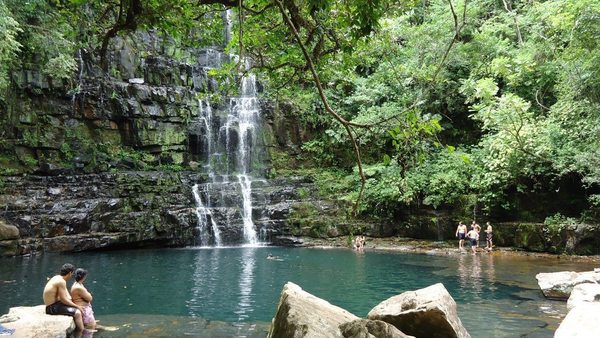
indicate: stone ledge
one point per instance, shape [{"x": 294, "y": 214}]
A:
[{"x": 32, "y": 321}]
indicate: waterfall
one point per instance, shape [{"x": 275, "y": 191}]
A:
[
  {"x": 227, "y": 24},
  {"x": 224, "y": 139},
  {"x": 80, "y": 81},
  {"x": 205, "y": 216},
  {"x": 203, "y": 213},
  {"x": 246, "y": 109}
]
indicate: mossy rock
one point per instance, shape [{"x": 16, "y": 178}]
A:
[
  {"x": 529, "y": 236},
  {"x": 9, "y": 248}
]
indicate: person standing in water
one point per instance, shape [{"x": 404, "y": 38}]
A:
[
  {"x": 57, "y": 298},
  {"x": 488, "y": 237},
  {"x": 82, "y": 297},
  {"x": 476, "y": 227},
  {"x": 473, "y": 236},
  {"x": 461, "y": 232}
]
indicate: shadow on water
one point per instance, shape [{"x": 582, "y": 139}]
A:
[{"x": 233, "y": 292}]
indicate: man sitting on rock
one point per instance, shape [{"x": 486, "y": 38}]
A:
[{"x": 57, "y": 298}]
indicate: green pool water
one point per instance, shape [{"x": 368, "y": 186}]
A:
[{"x": 233, "y": 292}]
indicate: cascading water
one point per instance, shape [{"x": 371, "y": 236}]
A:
[
  {"x": 80, "y": 81},
  {"x": 227, "y": 24},
  {"x": 225, "y": 141},
  {"x": 205, "y": 216},
  {"x": 246, "y": 109}
]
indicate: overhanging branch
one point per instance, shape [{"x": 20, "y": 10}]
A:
[{"x": 346, "y": 124}]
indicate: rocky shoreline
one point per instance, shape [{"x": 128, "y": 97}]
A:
[{"x": 403, "y": 244}]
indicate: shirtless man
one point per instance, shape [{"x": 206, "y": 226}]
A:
[
  {"x": 473, "y": 236},
  {"x": 489, "y": 235},
  {"x": 461, "y": 232},
  {"x": 57, "y": 298}
]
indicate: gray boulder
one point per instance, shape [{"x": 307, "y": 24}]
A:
[
  {"x": 558, "y": 285},
  {"x": 581, "y": 322},
  {"x": 366, "y": 328},
  {"x": 300, "y": 314},
  {"x": 34, "y": 322},
  {"x": 429, "y": 312},
  {"x": 584, "y": 293}
]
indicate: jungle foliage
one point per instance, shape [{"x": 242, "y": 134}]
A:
[{"x": 486, "y": 105}]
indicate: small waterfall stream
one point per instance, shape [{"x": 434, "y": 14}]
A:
[{"x": 205, "y": 217}]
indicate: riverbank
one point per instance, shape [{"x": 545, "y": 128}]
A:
[{"x": 403, "y": 244}]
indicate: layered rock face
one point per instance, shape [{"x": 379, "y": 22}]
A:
[
  {"x": 145, "y": 101},
  {"x": 130, "y": 209},
  {"x": 84, "y": 212}
]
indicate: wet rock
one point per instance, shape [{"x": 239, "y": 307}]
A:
[
  {"x": 8, "y": 231},
  {"x": 287, "y": 241},
  {"x": 584, "y": 293},
  {"x": 558, "y": 285},
  {"x": 366, "y": 328},
  {"x": 429, "y": 312},
  {"x": 9, "y": 248},
  {"x": 300, "y": 314},
  {"x": 582, "y": 239},
  {"x": 34, "y": 322},
  {"x": 581, "y": 322},
  {"x": 136, "y": 80},
  {"x": 98, "y": 211}
]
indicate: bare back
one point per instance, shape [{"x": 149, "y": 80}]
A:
[{"x": 52, "y": 290}]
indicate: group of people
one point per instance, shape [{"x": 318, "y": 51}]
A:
[
  {"x": 359, "y": 243},
  {"x": 473, "y": 236},
  {"x": 77, "y": 303}
]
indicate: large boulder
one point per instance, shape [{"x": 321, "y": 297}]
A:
[
  {"x": 581, "y": 322},
  {"x": 584, "y": 293},
  {"x": 429, "y": 312},
  {"x": 366, "y": 328},
  {"x": 300, "y": 314},
  {"x": 8, "y": 231},
  {"x": 34, "y": 322},
  {"x": 558, "y": 285}
]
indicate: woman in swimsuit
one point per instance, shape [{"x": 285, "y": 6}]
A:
[{"x": 81, "y": 296}]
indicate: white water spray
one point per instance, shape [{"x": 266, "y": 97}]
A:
[{"x": 205, "y": 216}]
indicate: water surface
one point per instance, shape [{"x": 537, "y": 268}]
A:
[{"x": 233, "y": 292}]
